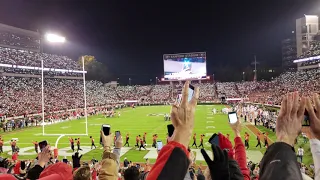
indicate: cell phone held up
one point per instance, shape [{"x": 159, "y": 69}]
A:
[
  {"x": 117, "y": 134},
  {"x": 43, "y": 145},
  {"x": 214, "y": 139},
  {"x": 190, "y": 94},
  {"x": 170, "y": 128},
  {"x": 106, "y": 130},
  {"x": 232, "y": 117}
]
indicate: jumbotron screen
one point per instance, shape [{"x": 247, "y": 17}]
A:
[{"x": 185, "y": 66}]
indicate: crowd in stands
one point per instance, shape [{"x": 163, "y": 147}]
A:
[
  {"x": 227, "y": 89},
  {"x": 33, "y": 59},
  {"x": 175, "y": 161},
  {"x": 19, "y": 41},
  {"x": 22, "y": 95}
]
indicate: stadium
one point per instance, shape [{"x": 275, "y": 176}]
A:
[{"x": 47, "y": 98}]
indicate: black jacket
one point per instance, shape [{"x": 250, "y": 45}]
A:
[{"x": 279, "y": 162}]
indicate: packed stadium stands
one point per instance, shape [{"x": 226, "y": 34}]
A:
[{"x": 21, "y": 96}]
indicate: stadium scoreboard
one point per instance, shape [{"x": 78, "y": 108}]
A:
[{"x": 185, "y": 66}]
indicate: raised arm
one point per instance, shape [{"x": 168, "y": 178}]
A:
[
  {"x": 279, "y": 161},
  {"x": 172, "y": 162}
]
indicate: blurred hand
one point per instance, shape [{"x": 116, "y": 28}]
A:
[
  {"x": 314, "y": 116},
  {"x": 119, "y": 142},
  {"x": 207, "y": 174},
  {"x": 236, "y": 127},
  {"x": 289, "y": 122},
  {"x": 219, "y": 167},
  {"x": 106, "y": 141},
  {"x": 44, "y": 156},
  {"x": 182, "y": 116}
]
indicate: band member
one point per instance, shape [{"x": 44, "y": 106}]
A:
[
  {"x": 1, "y": 145},
  {"x": 258, "y": 139},
  {"x": 137, "y": 141},
  {"x": 266, "y": 144},
  {"x": 194, "y": 140},
  {"x": 144, "y": 138},
  {"x": 246, "y": 140},
  {"x": 127, "y": 140},
  {"x": 13, "y": 144},
  {"x": 92, "y": 143},
  {"x": 154, "y": 140},
  {"x": 142, "y": 145},
  {"x": 201, "y": 140},
  {"x": 36, "y": 145},
  {"x": 71, "y": 143},
  {"x": 78, "y": 144}
]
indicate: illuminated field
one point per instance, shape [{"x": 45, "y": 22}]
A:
[{"x": 148, "y": 119}]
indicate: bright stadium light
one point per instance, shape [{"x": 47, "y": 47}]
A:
[{"x": 55, "y": 38}]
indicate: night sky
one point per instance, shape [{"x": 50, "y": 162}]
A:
[{"x": 130, "y": 37}]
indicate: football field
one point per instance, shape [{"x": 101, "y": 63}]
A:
[{"x": 149, "y": 119}]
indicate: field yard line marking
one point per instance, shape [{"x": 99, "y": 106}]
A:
[
  {"x": 210, "y": 121},
  {"x": 210, "y": 127}
]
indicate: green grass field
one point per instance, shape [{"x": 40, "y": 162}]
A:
[{"x": 132, "y": 121}]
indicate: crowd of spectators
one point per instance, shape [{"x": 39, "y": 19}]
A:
[
  {"x": 19, "y": 41},
  {"x": 227, "y": 89},
  {"x": 22, "y": 95},
  {"x": 33, "y": 59},
  {"x": 175, "y": 161}
]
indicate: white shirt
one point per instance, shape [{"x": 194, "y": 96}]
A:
[{"x": 300, "y": 152}]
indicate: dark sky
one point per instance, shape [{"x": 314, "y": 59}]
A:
[{"x": 130, "y": 37}]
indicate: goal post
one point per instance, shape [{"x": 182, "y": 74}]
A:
[{"x": 83, "y": 72}]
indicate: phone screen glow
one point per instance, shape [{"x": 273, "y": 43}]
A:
[{"x": 233, "y": 118}]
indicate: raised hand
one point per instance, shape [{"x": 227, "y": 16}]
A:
[
  {"x": 44, "y": 156},
  {"x": 289, "y": 122},
  {"x": 106, "y": 141},
  {"x": 119, "y": 142},
  {"x": 182, "y": 116},
  {"x": 236, "y": 127},
  {"x": 314, "y": 116},
  {"x": 219, "y": 167},
  {"x": 76, "y": 160}
]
